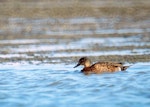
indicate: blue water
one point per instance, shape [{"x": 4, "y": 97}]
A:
[{"x": 60, "y": 85}]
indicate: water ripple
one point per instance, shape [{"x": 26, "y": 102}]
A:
[{"x": 41, "y": 85}]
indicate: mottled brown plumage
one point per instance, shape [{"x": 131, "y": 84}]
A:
[{"x": 99, "y": 67}]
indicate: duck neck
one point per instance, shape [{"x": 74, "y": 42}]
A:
[{"x": 87, "y": 64}]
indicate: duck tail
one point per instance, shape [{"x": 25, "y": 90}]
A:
[{"x": 123, "y": 68}]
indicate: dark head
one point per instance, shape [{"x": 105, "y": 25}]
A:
[{"x": 83, "y": 61}]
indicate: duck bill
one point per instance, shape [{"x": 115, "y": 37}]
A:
[{"x": 76, "y": 65}]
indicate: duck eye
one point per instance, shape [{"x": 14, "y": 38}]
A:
[{"x": 81, "y": 60}]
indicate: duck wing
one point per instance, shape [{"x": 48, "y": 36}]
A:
[
  {"x": 100, "y": 67},
  {"x": 110, "y": 64}
]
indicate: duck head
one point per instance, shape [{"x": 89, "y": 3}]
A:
[{"x": 83, "y": 61}]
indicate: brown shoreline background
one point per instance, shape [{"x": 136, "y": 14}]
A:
[{"x": 138, "y": 10}]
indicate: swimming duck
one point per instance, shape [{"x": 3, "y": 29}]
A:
[{"x": 99, "y": 67}]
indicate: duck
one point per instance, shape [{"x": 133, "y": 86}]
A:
[{"x": 99, "y": 67}]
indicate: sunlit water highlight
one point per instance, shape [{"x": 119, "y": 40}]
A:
[
  {"x": 62, "y": 47},
  {"x": 60, "y": 85}
]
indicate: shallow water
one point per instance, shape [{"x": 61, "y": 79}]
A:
[
  {"x": 74, "y": 26},
  {"x": 80, "y": 35},
  {"x": 54, "y": 85},
  {"x": 71, "y": 48},
  {"x": 29, "y": 78}
]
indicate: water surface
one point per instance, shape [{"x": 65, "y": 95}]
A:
[
  {"x": 39, "y": 85},
  {"x": 37, "y": 62}
]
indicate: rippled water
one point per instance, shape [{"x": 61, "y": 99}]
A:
[
  {"x": 29, "y": 78},
  {"x": 61, "y": 48},
  {"x": 53, "y": 85},
  {"x": 74, "y": 26},
  {"x": 81, "y": 33}
]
